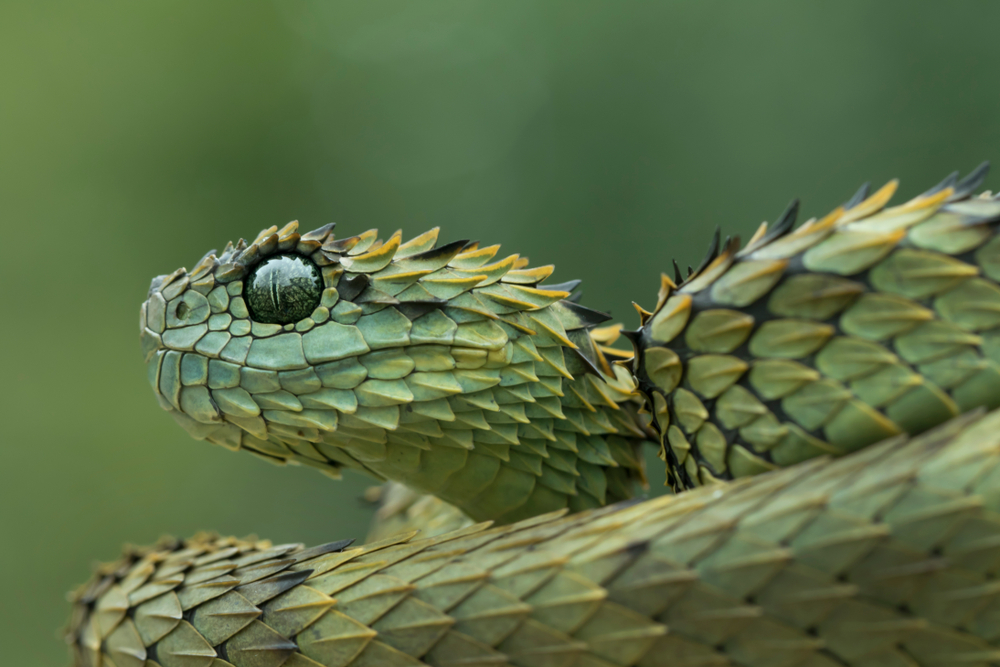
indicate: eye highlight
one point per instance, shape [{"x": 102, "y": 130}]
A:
[{"x": 283, "y": 289}]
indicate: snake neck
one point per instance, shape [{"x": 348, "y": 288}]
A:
[
  {"x": 868, "y": 323},
  {"x": 435, "y": 366},
  {"x": 538, "y": 433}
]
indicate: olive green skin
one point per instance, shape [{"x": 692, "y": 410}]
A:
[
  {"x": 885, "y": 557},
  {"x": 822, "y": 340},
  {"x": 438, "y": 367},
  {"x": 864, "y": 326}
]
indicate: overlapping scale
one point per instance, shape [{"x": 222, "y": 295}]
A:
[
  {"x": 885, "y": 557},
  {"x": 438, "y": 365},
  {"x": 824, "y": 339}
]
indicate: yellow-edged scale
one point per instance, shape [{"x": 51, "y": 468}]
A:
[
  {"x": 441, "y": 367},
  {"x": 849, "y": 359},
  {"x": 821, "y": 340}
]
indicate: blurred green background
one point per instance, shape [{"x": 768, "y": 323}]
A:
[{"x": 604, "y": 137}]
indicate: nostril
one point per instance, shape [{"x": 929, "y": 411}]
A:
[{"x": 191, "y": 308}]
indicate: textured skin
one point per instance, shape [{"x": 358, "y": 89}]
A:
[
  {"x": 436, "y": 367},
  {"x": 886, "y": 557},
  {"x": 820, "y": 341},
  {"x": 465, "y": 379}
]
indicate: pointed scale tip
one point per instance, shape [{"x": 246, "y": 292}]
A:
[
  {"x": 589, "y": 317},
  {"x": 784, "y": 224},
  {"x": 859, "y": 196},
  {"x": 667, "y": 286},
  {"x": 713, "y": 250},
  {"x": 644, "y": 314},
  {"x": 971, "y": 183},
  {"x": 948, "y": 182},
  {"x": 568, "y": 286},
  {"x": 633, "y": 337}
]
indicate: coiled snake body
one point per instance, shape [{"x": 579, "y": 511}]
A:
[{"x": 850, "y": 360}]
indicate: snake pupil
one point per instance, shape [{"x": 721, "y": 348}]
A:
[{"x": 283, "y": 289}]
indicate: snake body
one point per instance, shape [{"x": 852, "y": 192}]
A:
[{"x": 850, "y": 359}]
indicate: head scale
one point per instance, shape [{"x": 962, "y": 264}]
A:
[{"x": 435, "y": 366}]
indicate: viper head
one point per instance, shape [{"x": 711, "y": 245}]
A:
[{"x": 440, "y": 367}]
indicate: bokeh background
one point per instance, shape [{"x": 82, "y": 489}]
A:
[{"x": 604, "y": 137}]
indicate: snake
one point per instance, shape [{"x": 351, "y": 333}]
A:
[{"x": 820, "y": 399}]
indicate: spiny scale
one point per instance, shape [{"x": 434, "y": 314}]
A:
[
  {"x": 435, "y": 366},
  {"x": 886, "y": 557},
  {"x": 463, "y": 377},
  {"x": 865, "y": 324}
]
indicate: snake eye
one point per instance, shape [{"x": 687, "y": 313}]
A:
[{"x": 283, "y": 289}]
